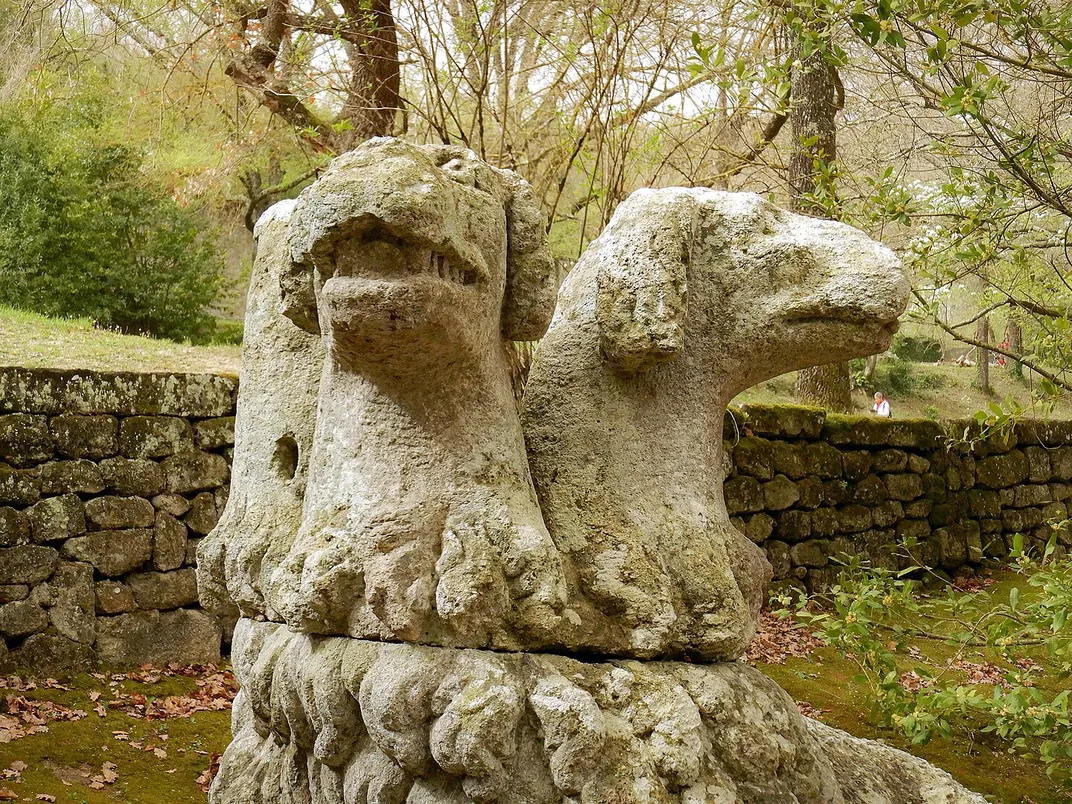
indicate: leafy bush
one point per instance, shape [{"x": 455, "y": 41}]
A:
[
  {"x": 83, "y": 235},
  {"x": 229, "y": 332},
  {"x": 872, "y": 614},
  {"x": 896, "y": 377},
  {"x": 917, "y": 348}
]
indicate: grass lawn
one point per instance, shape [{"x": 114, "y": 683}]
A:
[
  {"x": 35, "y": 341},
  {"x": 137, "y": 737}
]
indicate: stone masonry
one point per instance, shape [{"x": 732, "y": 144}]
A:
[
  {"x": 807, "y": 486},
  {"x": 107, "y": 483}
]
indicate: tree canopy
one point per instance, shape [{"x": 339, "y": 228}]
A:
[{"x": 952, "y": 117}]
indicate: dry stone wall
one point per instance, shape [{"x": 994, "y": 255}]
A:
[
  {"x": 107, "y": 483},
  {"x": 808, "y": 487}
]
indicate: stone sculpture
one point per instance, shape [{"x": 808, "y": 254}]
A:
[
  {"x": 418, "y": 266},
  {"x": 276, "y": 415},
  {"x": 522, "y": 680},
  {"x": 687, "y": 298}
]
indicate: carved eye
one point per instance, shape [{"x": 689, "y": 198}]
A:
[{"x": 461, "y": 170}]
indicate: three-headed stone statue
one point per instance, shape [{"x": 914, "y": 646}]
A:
[{"x": 424, "y": 618}]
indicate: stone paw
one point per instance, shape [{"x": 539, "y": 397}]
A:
[
  {"x": 471, "y": 591},
  {"x": 574, "y": 731},
  {"x": 315, "y": 591},
  {"x": 626, "y": 584},
  {"x": 476, "y": 729},
  {"x": 211, "y": 575}
]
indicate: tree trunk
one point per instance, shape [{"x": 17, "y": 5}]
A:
[
  {"x": 870, "y": 366},
  {"x": 367, "y": 32},
  {"x": 814, "y": 96},
  {"x": 825, "y": 386},
  {"x": 982, "y": 335},
  {"x": 1016, "y": 346},
  {"x": 374, "y": 99}
]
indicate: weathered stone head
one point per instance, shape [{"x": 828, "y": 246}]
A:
[
  {"x": 400, "y": 244},
  {"x": 767, "y": 291},
  {"x": 418, "y": 265},
  {"x": 274, "y": 426},
  {"x": 688, "y": 297}
]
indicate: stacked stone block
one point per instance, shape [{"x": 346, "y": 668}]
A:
[
  {"x": 810, "y": 487},
  {"x": 107, "y": 483}
]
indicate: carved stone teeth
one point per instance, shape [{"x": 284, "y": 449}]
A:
[{"x": 439, "y": 265}]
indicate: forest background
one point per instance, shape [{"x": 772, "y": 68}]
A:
[{"x": 140, "y": 140}]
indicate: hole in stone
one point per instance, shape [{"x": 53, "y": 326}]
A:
[{"x": 285, "y": 458}]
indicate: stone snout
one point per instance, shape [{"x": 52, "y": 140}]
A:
[
  {"x": 399, "y": 239},
  {"x": 417, "y": 265},
  {"x": 832, "y": 294}
]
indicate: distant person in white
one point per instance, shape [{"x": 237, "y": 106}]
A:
[{"x": 882, "y": 405}]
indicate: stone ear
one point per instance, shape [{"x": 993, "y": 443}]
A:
[
  {"x": 297, "y": 301},
  {"x": 531, "y": 279},
  {"x": 298, "y": 296},
  {"x": 641, "y": 300}
]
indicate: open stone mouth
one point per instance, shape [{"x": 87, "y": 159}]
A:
[
  {"x": 848, "y": 316},
  {"x": 380, "y": 254}
]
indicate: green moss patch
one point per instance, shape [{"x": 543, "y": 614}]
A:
[{"x": 126, "y": 748}]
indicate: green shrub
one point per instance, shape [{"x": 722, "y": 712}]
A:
[
  {"x": 872, "y": 615},
  {"x": 917, "y": 348},
  {"x": 82, "y": 234},
  {"x": 229, "y": 332},
  {"x": 897, "y": 377}
]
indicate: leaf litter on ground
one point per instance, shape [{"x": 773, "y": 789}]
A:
[
  {"x": 21, "y": 716},
  {"x": 780, "y": 638}
]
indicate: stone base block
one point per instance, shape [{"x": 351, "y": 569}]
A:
[
  {"x": 48, "y": 655},
  {"x": 327, "y": 720}
]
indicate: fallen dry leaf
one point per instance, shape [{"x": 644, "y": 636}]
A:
[
  {"x": 204, "y": 781},
  {"x": 980, "y": 672},
  {"x": 8, "y": 795},
  {"x": 808, "y": 710},
  {"x": 25, "y": 717},
  {"x": 913, "y": 681},
  {"x": 14, "y": 771},
  {"x": 779, "y": 638},
  {"x": 45, "y": 797}
]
